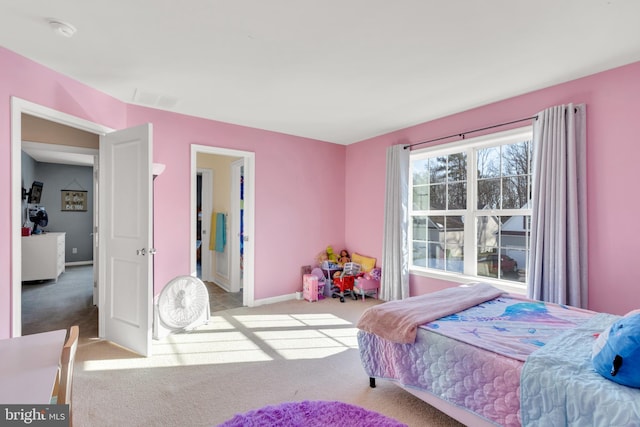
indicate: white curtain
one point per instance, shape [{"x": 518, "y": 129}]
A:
[
  {"x": 395, "y": 256},
  {"x": 558, "y": 258}
]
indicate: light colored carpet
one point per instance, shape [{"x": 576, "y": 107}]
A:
[{"x": 244, "y": 359}]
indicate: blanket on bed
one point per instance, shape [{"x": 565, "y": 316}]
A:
[
  {"x": 398, "y": 321},
  {"x": 559, "y": 386},
  {"x": 510, "y": 325}
]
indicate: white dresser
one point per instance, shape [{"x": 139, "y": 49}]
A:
[{"x": 42, "y": 256}]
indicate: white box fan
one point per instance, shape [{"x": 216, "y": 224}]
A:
[{"x": 182, "y": 305}]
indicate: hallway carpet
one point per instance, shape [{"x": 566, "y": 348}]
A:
[{"x": 49, "y": 305}]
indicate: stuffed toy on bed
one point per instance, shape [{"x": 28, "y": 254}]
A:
[{"x": 616, "y": 352}]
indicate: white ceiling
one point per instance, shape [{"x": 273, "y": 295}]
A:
[
  {"x": 59, "y": 154},
  {"x": 334, "y": 70}
]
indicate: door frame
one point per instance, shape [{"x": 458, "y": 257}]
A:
[
  {"x": 94, "y": 234},
  {"x": 248, "y": 295},
  {"x": 18, "y": 107}
]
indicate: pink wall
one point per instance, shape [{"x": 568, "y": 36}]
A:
[
  {"x": 299, "y": 196},
  {"x": 299, "y": 182},
  {"x": 310, "y": 194},
  {"x": 613, "y": 114},
  {"x": 32, "y": 82}
]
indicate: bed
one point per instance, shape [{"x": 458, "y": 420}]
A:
[{"x": 496, "y": 359}]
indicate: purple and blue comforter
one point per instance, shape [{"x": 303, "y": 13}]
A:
[
  {"x": 508, "y": 325},
  {"x": 474, "y": 358},
  {"x": 559, "y": 386}
]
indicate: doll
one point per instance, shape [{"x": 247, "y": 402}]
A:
[
  {"x": 344, "y": 257},
  {"x": 322, "y": 257}
]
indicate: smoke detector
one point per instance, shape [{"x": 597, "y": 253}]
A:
[{"x": 62, "y": 28}]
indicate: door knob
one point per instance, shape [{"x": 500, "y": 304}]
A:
[{"x": 142, "y": 252}]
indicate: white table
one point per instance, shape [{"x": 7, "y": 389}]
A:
[{"x": 28, "y": 367}]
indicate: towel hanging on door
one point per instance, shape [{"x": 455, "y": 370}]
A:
[
  {"x": 219, "y": 238},
  {"x": 212, "y": 232}
]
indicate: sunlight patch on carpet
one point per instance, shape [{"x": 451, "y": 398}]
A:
[
  {"x": 302, "y": 344},
  {"x": 345, "y": 336},
  {"x": 254, "y": 321},
  {"x": 244, "y": 339},
  {"x": 323, "y": 319}
]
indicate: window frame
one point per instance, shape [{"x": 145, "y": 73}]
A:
[{"x": 470, "y": 146}]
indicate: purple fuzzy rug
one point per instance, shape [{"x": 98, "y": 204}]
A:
[{"x": 308, "y": 413}]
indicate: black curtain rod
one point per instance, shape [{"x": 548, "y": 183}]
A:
[{"x": 470, "y": 131}]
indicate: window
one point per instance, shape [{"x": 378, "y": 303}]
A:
[{"x": 470, "y": 208}]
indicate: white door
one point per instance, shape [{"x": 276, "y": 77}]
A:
[{"x": 125, "y": 238}]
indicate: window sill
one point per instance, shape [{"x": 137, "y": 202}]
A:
[{"x": 507, "y": 286}]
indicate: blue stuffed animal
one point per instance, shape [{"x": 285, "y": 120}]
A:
[{"x": 616, "y": 352}]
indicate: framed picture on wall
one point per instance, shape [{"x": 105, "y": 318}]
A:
[{"x": 74, "y": 200}]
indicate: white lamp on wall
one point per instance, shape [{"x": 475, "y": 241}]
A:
[{"x": 158, "y": 168}]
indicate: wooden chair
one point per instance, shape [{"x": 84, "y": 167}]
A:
[{"x": 62, "y": 388}]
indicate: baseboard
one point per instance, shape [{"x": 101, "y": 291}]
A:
[
  {"x": 264, "y": 301},
  {"x": 71, "y": 264},
  {"x": 272, "y": 300}
]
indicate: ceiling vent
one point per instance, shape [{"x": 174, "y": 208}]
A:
[{"x": 154, "y": 99}]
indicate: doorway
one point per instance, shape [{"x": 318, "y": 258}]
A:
[
  {"x": 231, "y": 220},
  {"x": 66, "y": 176},
  {"x": 204, "y": 203},
  {"x": 20, "y": 107}
]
